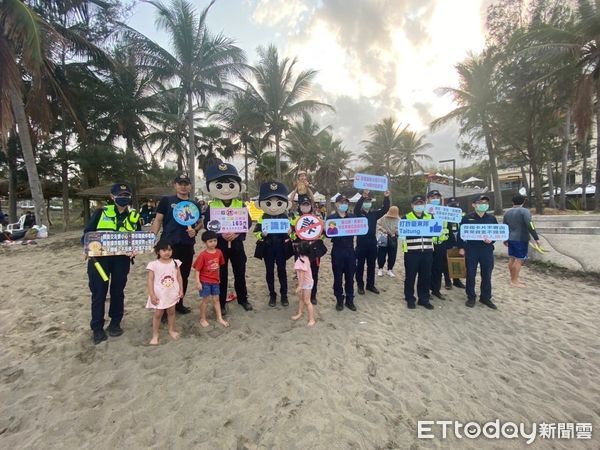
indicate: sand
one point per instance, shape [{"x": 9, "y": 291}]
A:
[{"x": 355, "y": 381}]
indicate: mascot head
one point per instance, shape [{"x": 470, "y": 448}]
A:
[
  {"x": 273, "y": 198},
  {"x": 223, "y": 182}
]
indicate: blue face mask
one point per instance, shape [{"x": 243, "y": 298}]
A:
[
  {"x": 367, "y": 206},
  {"x": 435, "y": 201},
  {"x": 418, "y": 208},
  {"x": 343, "y": 207},
  {"x": 482, "y": 207},
  {"x": 122, "y": 201}
]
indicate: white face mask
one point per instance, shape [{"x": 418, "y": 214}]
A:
[
  {"x": 305, "y": 208},
  {"x": 367, "y": 206}
]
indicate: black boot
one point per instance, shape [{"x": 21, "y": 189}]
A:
[
  {"x": 272, "y": 301},
  {"x": 284, "y": 300}
]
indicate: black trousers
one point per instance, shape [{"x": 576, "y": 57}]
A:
[
  {"x": 390, "y": 253},
  {"x": 437, "y": 267},
  {"x": 185, "y": 254},
  {"x": 117, "y": 269},
  {"x": 366, "y": 251},
  {"x": 314, "y": 268},
  {"x": 237, "y": 256},
  {"x": 485, "y": 259},
  {"x": 275, "y": 255},
  {"x": 343, "y": 264},
  {"x": 417, "y": 266}
]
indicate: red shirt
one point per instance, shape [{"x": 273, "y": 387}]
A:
[{"x": 208, "y": 265}]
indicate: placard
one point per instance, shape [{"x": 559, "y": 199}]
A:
[
  {"x": 422, "y": 227},
  {"x": 228, "y": 220},
  {"x": 350, "y": 226},
  {"x": 186, "y": 213},
  {"x": 275, "y": 226},
  {"x": 112, "y": 243},
  {"x": 370, "y": 182},
  {"x": 480, "y": 232},
  {"x": 309, "y": 227},
  {"x": 445, "y": 213}
]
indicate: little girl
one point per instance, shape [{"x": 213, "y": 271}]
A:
[
  {"x": 164, "y": 289},
  {"x": 305, "y": 282}
]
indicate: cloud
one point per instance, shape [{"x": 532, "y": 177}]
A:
[{"x": 287, "y": 13}]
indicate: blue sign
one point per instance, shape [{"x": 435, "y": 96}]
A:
[
  {"x": 275, "y": 226},
  {"x": 446, "y": 213},
  {"x": 370, "y": 182},
  {"x": 350, "y": 226},
  {"x": 186, "y": 213},
  {"x": 481, "y": 232},
  {"x": 424, "y": 227}
]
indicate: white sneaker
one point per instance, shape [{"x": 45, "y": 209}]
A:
[
  {"x": 380, "y": 273},
  {"x": 391, "y": 274}
]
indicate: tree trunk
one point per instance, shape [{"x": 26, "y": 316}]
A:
[
  {"x": 597, "y": 195},
  {"x": 564, "y": 162},
  {"x": 526, "y": 182},
  {"x": 65, "y": 155},
  {"x": 584, "y": 181},
  {"x": 191, "y": 144},
  {"x": 494, "y": 173},
  {"x": 246, "y": 164},
  {"x": 35, "y": 186},
  {"x": 11, "y": 156},
  {"x": 409, "y": 182},
  {"x": 551, "y": 201},
  {"x": 277, "y": 157}
]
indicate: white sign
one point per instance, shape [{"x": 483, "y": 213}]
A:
[
  {"x": 421, "y": 227},
  {"x": 370, "y": 182},
  {"x": 481, "y": 232},
  {"x": 309, "y": 227},
  {"x": 445, "y": 213}
]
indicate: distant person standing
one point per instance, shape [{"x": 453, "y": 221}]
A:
[
  {"x": 451, "y": 243},
  {"x": 520, "y": 227}
]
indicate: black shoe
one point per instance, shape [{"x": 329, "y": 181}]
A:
[
  {"x": 182, "y": 309},
  {"x": 361, "y": 290},
  {"x": 373, "y": 289},
  {"x": 313, "y": 300},
  {"x": 448, "y": 286},
  {"x": 114, "y": 330},
  {"x": 438, "y": 295},
  {"x": 470, "y": 303},
  {"x": 488, "y": 303},
  {"x": 459, "y": 284},
  {"x": 99, "y": 336},
  {"x": 247, "y": 306},
  {"x": 284, "y": 301},
  {"x": 224, "y": 310},
  {"x": 272, "y": 302},
  {"x": 411, "y": 304},
  {"x": 425, "y": 305},
  {"x": 350, "y": 306},
  {"x": 339, "y": 306}
]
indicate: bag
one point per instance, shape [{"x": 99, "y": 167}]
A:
[
  {"x": 392, "y": 241},
  {"x": 30, "y": 234},
  {"x": 382, "y": 240},
  {"x": 42, "y": 231},
  {"x": 259, "y": 251}
]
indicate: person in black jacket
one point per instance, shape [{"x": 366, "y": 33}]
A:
[{"x": 366, "y": 245}]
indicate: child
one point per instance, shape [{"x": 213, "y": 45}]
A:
[
  {"x": 305, "y": 282},
  {"x": 207, "y": 266},
  {"x": 164, "y": 288}
]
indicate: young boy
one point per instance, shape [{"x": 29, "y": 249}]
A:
[{"x": 207, "y": 267}]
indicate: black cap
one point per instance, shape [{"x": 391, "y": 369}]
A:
[
  {"x": 182, "y": 178},
  {"x": 340, "y": 198},
  {"x": 120, "y": 188},
  {"x": 453, "y": 201},
  {"x": 417, "y": 198},
  {"x": 303, "y": 199},
  {"x": 433, "y": 192},
  {"x": 272, "y": 189},
  {"x": 480, "y": 197},
  {"x": 221, "y": 170}
]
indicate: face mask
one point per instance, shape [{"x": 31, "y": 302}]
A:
[
  {"x": 419, "y": 208},
  {"x": 367, "y": 206},
  {"x": 435, "y": 201},
  {"x": 122, "y": 201},
  {"x": 305, "y": 208},
  {"x": 343, "y": 207},
  {"x": 482, "y": 207}
]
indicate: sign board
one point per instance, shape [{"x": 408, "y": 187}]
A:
[
  {"x": 445, "y": 213},
  {"x": 351, "y": 226},
  {"x": 425, "y": 228},
  {"x": 309, "y": 227},
  {"x": 370, "y": 182},
  {"x": 480, "y": 232},
  {"x": 228, "y": 220},
  {"x": 275, "y": 226},
  {"x": 112, "y": 243},
  {"x": 186, "y": 213}
]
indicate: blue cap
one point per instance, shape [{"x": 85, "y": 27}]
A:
[
  {"x": 120, "y": 188},
  {"x": 221, "y": 170},
  {"x": 480, "y": 197},
  {"x": 273, "y": 189}
]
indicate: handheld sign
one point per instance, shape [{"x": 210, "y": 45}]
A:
[
  {"x": 351, "y": 226},
  {"x": 186, "y": 213},
  {"x": 445, "y": 213},
  {"x": 112, "y": 243},
  {"x": 309, "y": 227},
  {"x": 421, "y": 228},
  {"x": 275, "y": 226},
  {"x": 228, "y": 220},
  {"x": 370, "y": 182},
  {"x": 491, "y": 231}
]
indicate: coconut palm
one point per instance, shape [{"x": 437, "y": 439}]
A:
[
  {"x": 333, "y": 164},
  {"x": 383, "y": 147},
  {"x": 411, "y": 154},
  {"x": 302, "y": 144},
  {"x": 214, "y": 146},
  {"x": 277, "y": 93}
]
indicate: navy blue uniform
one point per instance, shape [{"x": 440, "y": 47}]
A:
[
  {"x": 366, "y": 245},
  {"x": 478, "y": 253},
  {"x": 343, "y": 264},
  {"x": 274, "y": 253}
]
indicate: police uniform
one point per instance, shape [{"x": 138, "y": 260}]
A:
[
  {"x": 234, "y": 253},
  {"x": 450, "y": 243},
  {"x": 439, "y": 256},
  {"x": 366, "y": 245},
  {"x": 418, "y": 258},
  {"x": 116, "y": 267}
]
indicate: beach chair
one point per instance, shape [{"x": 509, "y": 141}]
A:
[{"x": 17, "y": 226}]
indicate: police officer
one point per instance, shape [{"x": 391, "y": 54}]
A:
[
  {"x": 343, "y": 260},
  {"x": 181, "y": 237},
  {"x": 479, "y": 253},
  {"x": 439, "y": 249},
  {"x": 115, "y": 216},
  {"x": 366, "y": 245},
  {"x": 418, "y": 258},
  {"x": 224, "y": 184},
  {"x": 450, "y": 243}
]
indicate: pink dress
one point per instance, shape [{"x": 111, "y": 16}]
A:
[
  {"x": 166, "y": 286},
  {"x": 302, "y": 264}
]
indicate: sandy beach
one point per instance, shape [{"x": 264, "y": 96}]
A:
[{"x": 355, "y": 381}]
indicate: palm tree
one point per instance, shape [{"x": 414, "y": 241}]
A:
[
  {"x": 383, "y": 146},
  {"x": 333, "y": 164},
  {"x": 410, "y": 154},
  {"x": 476, "y": 99},
  {"x": 302, "y": 149},
  {"x": 277, "y": 94},
  {"x": 214, "y": 147},
  {"x": 200, "y": 61}
]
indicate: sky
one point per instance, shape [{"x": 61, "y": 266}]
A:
[{"x": 375, "y": 58}]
